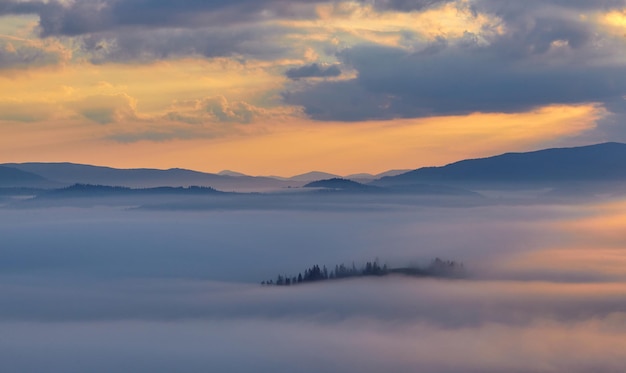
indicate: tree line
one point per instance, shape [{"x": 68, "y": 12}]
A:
[{"x": 437, "y": 268}]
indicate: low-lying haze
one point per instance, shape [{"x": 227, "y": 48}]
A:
[{"x": 104, "y": 289}]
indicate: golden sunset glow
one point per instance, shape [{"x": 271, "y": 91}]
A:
[
  {"x": 353, "y": 22},
  {"x": 616, "y": 19},
  {"x": 299, "y": 145},
  {"x": 312, "y": 186},
  {"x": 253, "y": 98},
  {"x": 591, "y": 246}
]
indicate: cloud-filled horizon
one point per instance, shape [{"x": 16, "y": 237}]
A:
[
  {"x": 103, "y": 289},
  {"x": 143, "y": 282},
  {"x": 281, "y": 87}
]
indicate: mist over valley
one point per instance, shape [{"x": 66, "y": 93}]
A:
[{"x": 134, "y": 277}]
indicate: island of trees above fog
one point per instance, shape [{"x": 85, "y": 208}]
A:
[{"x": 436, "y": 268}]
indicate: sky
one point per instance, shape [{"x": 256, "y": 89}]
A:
[{"x": 285, "y": 87}]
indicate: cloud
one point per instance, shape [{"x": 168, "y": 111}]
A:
[
  {"x": 269, "y": 346},
  {"x": 394, "y": 83},
  {"x": 19, "y": 54},
  {"x": 122, "y": 31},
  {"x": 224, "y": 111},
  {"x": 541, "y": 53},
  {"x": 396, "y": 59},
  {"x": 407, "y": 5},
  {"x": 91, "y": 16},
  {"x": 20, "y": 7},
  {"x": 106, "y": 109},
  {"x": 104, "y": 289},
  {"x": 511, "y": 9},
  {"x": 206, "y": 118},
  {"x": 149, "y": 45},
  {"x": 313, "y": 70}
]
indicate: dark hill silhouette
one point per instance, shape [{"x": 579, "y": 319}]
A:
[
  {"x": 70, "y": 173},
  {"x": 339, "y": 184},
  {"x": 365, "y": 178},
  {"x": 594, "y": 163},
  {"x": 11, "y": 177},
  {"x": 87, "y": 190},
  {"x": 601, "y": 163}
]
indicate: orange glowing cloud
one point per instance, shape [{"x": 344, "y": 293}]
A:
[
  {"x": 291, "y": 145},
  {"x": 349, "y": 22}
]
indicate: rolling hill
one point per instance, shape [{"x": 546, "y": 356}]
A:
[
  {"x": 70, "y": 173},
  {"x": 340, "y": 184},
  {"x": 601, "y": 163},
  {"x": 11, "y": 177},
  {"x": 594, "y": 163}
]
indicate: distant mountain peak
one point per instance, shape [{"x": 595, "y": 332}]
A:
[
  {"x": 392, "y": 173},
  {"x": 231, "y": 173},
  {"x": 313, "y": 176},
  {"x": 361, "y": 176}
]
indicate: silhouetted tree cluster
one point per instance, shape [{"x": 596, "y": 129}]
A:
[
  {"x": 341, "y": 271},
  {"x": 437, "y": 268},
  {"x": 312, "y": 274},
  {"x": 445, "y": 267}
]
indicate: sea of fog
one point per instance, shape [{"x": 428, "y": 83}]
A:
[{"x": 111, "y": 289}]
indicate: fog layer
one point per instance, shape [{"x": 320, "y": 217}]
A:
[{"x": 107, "y": 289}]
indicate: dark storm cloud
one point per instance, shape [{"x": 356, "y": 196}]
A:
[
  {"x": 90, "y": 16},
  {"x": 407, "y": 5},
  {"x": 546, "y": 55},
  {"x": 144, "y": 30},
  {"x": 542, "y": 53},
  {"x": 513, "y": 9},
  {"x": 84, "y": 17},
  {"x": 147, "y": 45},
  {"x": 313, "y": 71},
  {"x": 20, "y": 7},
  {"x": 453, "y": 81}
]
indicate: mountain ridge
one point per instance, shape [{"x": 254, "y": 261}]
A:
[
  {"x": 598, "y": 162},
  {"x": 605, "y": 162},
  {"x": 74, "y": 173}
]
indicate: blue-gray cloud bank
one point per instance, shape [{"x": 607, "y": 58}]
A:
[{"x": 104, "y": 289}]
